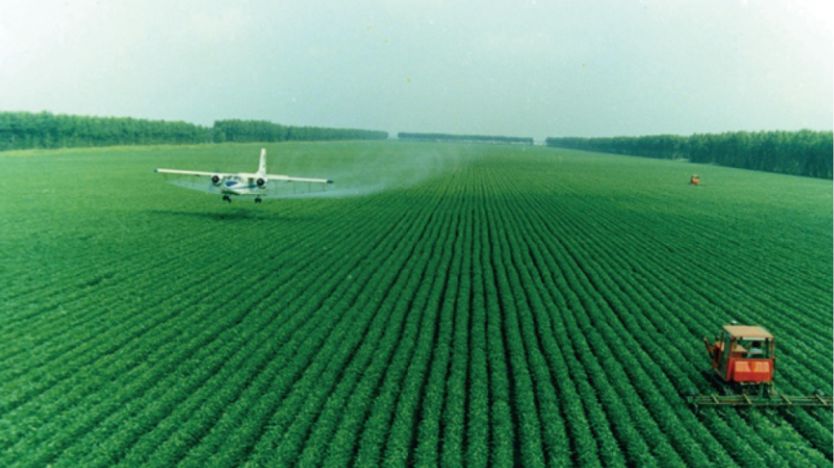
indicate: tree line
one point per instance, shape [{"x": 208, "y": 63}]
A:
[
  {"x": 803, "y": 152},
  {"x": 262, "y": 130},
  {"x": 464, "y": 138},
  {"x": 22, "y": 130}
]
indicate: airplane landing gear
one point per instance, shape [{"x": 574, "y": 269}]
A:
[{"x": 227, "y": 198}]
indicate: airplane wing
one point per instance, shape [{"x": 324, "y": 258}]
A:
[
  {"x": 285, "y": 178},
  {"x": 192, "y": 173}
]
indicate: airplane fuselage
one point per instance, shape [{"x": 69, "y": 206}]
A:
[{"x": 242, "y": 185}]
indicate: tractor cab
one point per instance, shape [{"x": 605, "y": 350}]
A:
[{"x": 743, "y": 354}]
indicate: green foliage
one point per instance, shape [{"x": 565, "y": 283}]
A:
[
  {"x": 804, "y": 152},
  {"x": 22, "y": 130},
  {"x": 447, "y": 137},
  {"x": 261, "y": 130},
  {"x": 519, "y": 306}
]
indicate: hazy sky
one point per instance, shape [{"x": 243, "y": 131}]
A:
[{"x": 526, "y": 68}]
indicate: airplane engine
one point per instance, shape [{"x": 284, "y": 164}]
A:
[
  {"x": 216, "y": 179},
  {"x": 261, "y": 182}
]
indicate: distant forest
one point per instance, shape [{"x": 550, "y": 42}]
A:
[
  {"x": 803, "y": 152},
  {"x": 260, "y": 130},
  {"x": 464, "y": 138},
  {"x": 22, "y": 130}
]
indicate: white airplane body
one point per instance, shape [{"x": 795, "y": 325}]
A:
[{"x": 244, "y": 183}]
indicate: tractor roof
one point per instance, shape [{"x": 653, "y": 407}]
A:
[{"x": 748, "y": 331}]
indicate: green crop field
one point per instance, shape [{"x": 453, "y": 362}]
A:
[{"x": 445, "y": 304}]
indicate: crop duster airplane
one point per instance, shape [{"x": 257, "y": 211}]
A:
[{"x": 244, "y": 183}]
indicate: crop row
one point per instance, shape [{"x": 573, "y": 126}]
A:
[
  {"x": 614, "y": 292},
  {"x": 138, "y": 363},
  {"x": 504, "y": 314}
]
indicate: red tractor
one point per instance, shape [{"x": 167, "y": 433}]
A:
[
  {"x": 742, "y": 355},
  {"x": 742, "y": 359}
]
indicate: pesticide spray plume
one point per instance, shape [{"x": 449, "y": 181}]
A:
[
  {"x": 356, "y": 175},
  {"x": 193, "y": 184}
]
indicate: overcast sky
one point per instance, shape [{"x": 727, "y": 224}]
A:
[{"x": 525, "y": 68}]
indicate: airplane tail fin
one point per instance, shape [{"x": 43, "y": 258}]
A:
[{"x": 262, "y": 163}]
